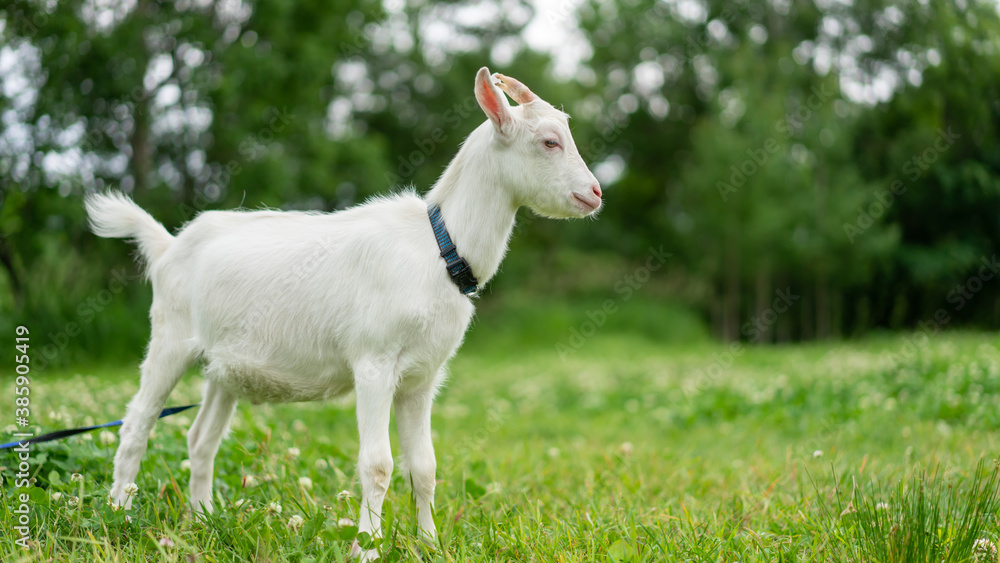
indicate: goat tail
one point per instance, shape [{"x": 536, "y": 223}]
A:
[{"x": 113, "y": 215}]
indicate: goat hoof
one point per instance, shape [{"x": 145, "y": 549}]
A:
[
  {"x": 363, "y": 555},
  {"x": 428, "y": 541}
]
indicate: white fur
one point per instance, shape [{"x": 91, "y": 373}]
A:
[{"x": 290, "y": 306}]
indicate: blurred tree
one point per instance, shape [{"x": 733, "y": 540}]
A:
[
  {"x": 847, "y": 96},
  {"x": 845, "y": 152},
  {"x": 937, "y": 135}
]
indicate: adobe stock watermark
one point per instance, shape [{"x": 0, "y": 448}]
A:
[
  {"x": 362, "y": 34},
  {"x": 26, "y": 25},
  {"x": 22, "y": 417},
  {"x": 86, "y": 312},
  {"x": 610, "y": 128},
  {"x": 250, "y": 149},
  {"x": 698, "y": 42},
  {"x": 427, "y": 145},
  {"x": 760, "y": 324},
  {"x": 625, "y": 288},
  {"x": 959, "y": 296},
  {"x": 753, "y": 330},
  {"x": 912, "y": 169},
  {"x": 816, "y": 446},
  {"x": 300, "y": 273},
  {"x": 496, "y": 416},
  {"x": 758, "y": 157}
]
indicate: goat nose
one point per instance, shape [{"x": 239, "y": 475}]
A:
[{"x": 597, "y": 189}]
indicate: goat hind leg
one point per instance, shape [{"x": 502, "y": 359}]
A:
[
  {"x": 165, "y": 362},
  {"x": 204, "y": 438}
]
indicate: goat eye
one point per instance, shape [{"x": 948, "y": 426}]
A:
[{"x": 551, "y": 143}]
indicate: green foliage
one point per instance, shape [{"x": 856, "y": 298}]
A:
[{"x": 931, "y": 518}]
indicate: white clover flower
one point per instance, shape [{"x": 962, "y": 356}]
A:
[
  {"x": 345, "y": 522},
  {"x": 322, "y": 464},
  {"x": 295, "y": 523},
  {"x": 305, "y": 483},
  {"x": 167, "y": 542},
  {"x": 107, "y": 438},
  {"x": 87, "y": 438},
  {"x": 293, "y": 453},
  {"x": 626, "y": 449},
  {"x": 76, "y": 478},
  {"x": 553, "y": 452},
  {"x": 10, "y": 429},
  {"x": 73, "y": 501},
  {"x": 984, "y": 551},
  {"x": 343, "y": 495},
  {"x": 274, "y": 508},
  {"x": 818, "y": 453},
  {"x": 882, "y": 506},
  {"x": 131, "y": 489},
  {"x": 56, "y": 497},
  {"x": 185, "y": 465},
  {"x": 249, "y": 481},
  {"x": 241, "y": 502}
]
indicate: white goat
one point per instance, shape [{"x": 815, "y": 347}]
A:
[{"x": 286, "y": 306}]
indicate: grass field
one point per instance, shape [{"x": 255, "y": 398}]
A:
[{"x": 623, "y": 450}]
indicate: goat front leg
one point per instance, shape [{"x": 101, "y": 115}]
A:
[
  {"x": 374, "y": 383},
  {"x": 413, "y": 421}
]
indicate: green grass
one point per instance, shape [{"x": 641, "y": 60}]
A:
[{"x": 624, "y": 450}]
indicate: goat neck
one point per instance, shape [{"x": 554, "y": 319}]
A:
[{"x": 477, "y": 209}]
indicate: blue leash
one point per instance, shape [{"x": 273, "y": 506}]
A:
[{"x": 58, "y": 434}]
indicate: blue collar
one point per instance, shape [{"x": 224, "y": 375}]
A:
[{"x": 458, "y": 268}]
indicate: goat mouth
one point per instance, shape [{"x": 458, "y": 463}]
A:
[{"x": 588, "y": 204}]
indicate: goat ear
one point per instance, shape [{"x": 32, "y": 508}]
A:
[{"x": 493, "y": 101}]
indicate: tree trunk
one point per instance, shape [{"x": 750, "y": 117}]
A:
[
  {"x": 717, "y": 311},
  {"x": 141, "y": 163},
  {"x": 822, "y": 306},
  {"x": 783, "y": 326},
  {"x": 764, "y": 300},
  {"x": 807, "y": 322},
  {"x": 822, "y": 271},
  {"x": 836, "y": 313},
  {"x": 731, "y": 308},
  {"x": 7, "y": 259}
]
